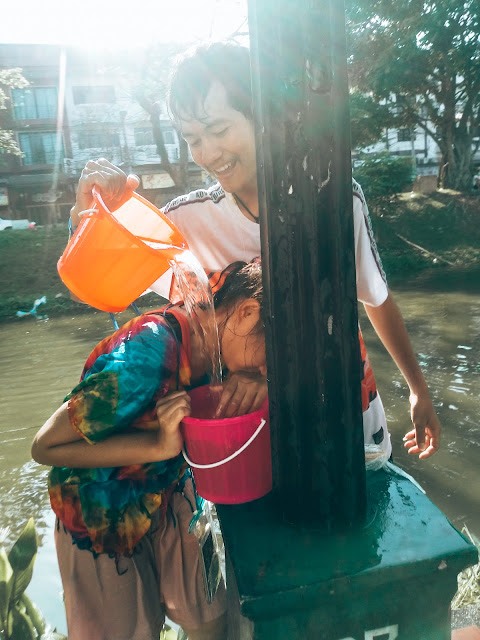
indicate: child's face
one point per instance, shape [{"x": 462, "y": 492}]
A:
[
  {"x": 245, "y": 353},
  {"x": 242, "y": 344}
]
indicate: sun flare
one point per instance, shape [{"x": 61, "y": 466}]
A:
[{"x": 122, "y": 25}]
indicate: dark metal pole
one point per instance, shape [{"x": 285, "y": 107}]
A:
[
  {"x": 305, "y": 192},
  {"x": 295, "y": 581}
]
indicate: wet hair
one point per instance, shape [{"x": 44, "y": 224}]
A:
[
  {"x": 198, "y": 68},
  {"x": 242, "y": 280}
]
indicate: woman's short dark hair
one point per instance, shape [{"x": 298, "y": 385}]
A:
[{"x": 196, "y": 70}]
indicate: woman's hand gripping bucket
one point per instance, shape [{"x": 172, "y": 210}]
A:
[{"x": 230, "y": 457}]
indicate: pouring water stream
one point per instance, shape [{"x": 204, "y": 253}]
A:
[{"x": 197, "y": 297}]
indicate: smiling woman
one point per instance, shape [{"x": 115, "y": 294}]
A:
[
  {"x": 223, "y": 143},
  {"x": 114, "y": 25}
]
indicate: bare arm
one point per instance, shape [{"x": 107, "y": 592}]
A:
[
  {"x": 388, "y": 322},
  {"x": 58, "y": 444}
]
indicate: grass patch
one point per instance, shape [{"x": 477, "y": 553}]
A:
[
  {"x": 446, "y": 225},
  {"x": 28, "y": 268}
]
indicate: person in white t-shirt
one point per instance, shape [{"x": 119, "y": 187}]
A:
[{"x": 210, "y": 102}]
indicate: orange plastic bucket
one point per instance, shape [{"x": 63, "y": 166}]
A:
[
  {"x": 113, "y": 257},
  {"x": 230, "y": 457}
]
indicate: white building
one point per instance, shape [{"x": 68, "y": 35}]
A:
[
  {"x": 417, "y": 143},
  {"x": 77, "y": 108}
]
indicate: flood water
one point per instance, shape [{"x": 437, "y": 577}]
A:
[
  {"x": 42, "y": 359},
  {"x": 445, "y": 332}
]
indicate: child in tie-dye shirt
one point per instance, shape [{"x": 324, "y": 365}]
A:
[{"x": 116, "y": 485}]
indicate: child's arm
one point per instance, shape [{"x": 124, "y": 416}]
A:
[
  {"x": 58, "y": 444},
  {"x": 390, "y": 327}
]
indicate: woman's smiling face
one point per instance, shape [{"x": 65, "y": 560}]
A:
[{"x": 222, "y": 142}]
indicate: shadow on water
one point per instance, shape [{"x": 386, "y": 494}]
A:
[
  {"x": 42, "y": 360},
  {"x": 448, "y": 280}
]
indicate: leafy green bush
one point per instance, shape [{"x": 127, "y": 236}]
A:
[
  {"x": 19, "y": 617},
  {"x": 383, "y": 175}
]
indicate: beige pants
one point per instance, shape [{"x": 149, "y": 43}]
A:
[{"x": 129, "y": 600}]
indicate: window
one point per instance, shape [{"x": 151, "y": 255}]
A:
[
  {"x": 143, "y": 135},
  {"x": 169, "y": 136},
  {"x": 406, "y": 134},
  {"x": 92, "y": 95},
  {"x": 34, "y": 103},
  {"x": 40, "y": 148},
  {"x": 98, "y": 139}
]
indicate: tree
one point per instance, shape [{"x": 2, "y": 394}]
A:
[
  {"x": 383, "y": 176},
  {"x": 150, "y": 94},
  {"x": 143, "y": 79},
  {"x": 421, "y": 58},
  {"x": 368, "y": 120},
  {"x": 9, "y": 79}
]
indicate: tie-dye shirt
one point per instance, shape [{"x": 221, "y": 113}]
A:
[{"x": 109, "y": 510}]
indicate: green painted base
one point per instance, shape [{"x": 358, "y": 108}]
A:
[{"x": 392, "y": 578}]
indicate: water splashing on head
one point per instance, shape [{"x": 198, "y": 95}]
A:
[{"x": 197, "y": 297}]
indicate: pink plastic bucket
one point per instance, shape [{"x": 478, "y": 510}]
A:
[{"x": 231, "y": 457}]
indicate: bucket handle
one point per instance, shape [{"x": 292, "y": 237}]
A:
[
  {"x": 87, "y": 212},
  {"x": 212, "y": 465}
]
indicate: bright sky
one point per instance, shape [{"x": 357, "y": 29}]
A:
[{"x": 109, "y": 23}]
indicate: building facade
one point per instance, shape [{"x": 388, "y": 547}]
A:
[
  {"x": 416, "y": 143},
  {"x": 78, "y": 106}
]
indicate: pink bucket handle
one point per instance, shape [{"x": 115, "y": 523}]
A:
[{"x": 212, "y": 465}]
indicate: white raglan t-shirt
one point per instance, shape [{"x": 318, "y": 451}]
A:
[{"x": 218, "y": 234}]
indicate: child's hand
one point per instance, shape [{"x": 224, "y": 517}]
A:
[
  {"x": 171, "y": 410},
  {"x": 243, "y": 392},
  {"x": 424, "y": 439}
]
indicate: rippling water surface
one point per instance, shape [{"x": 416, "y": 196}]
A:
[
  {"x": 42, "y": 359},
  {"x": 445, "y": 332}
]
